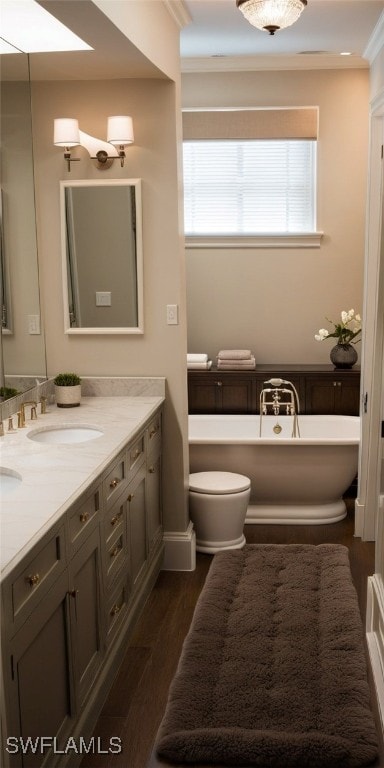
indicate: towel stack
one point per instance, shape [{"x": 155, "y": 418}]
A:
[
  {"x": 198, "y": 361},
  {"x": 239, "y": 359}
]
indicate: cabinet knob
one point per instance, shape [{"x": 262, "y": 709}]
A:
[
  {"x": 115, "y": 609},
  {"x": 219, "y": 383},
  {"x": 84, "y": 517},
  {"x": 33, "y": 579},
  {"x": 151, "y": 470},
  {"x": 116, "y": 518},
  {"x": 73, "y": 592},
  {"x": 116, "y": 550},
  {"x": 130, "y": 496},
  {"x": 114, "y": 482},
  {"x": 154, "y": 430}
]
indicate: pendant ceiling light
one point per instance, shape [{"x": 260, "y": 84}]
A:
[{"x": 271, "y": 15}]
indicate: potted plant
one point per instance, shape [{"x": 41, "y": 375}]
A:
[
  {"x": 67, "y": 390},
  {"x": 343, "y": 355}
]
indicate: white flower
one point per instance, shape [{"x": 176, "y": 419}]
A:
[
  {"x": 323, "y": 333},
  {"x": 345, "y": 317}
]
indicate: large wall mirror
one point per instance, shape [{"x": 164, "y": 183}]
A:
[
  {"x": 22, "y": 344},
  {"x": 102, "y": 256}
]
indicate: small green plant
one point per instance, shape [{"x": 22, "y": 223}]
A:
[
  {"x": 7, "y": 392},
  {"x": 67, "y": 380}
]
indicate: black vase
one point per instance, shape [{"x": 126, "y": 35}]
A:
[{"x": 343, "y": 355}]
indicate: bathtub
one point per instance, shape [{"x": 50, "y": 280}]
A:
[{"x": 293, "y": 480}]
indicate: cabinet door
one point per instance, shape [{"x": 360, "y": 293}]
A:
[
  {"x": 337, "y": 395},
  {"x": 154, "y": 519},
  {"x": 86, "y": 621},
  {"x": 41, "y": 691},
  {"x": 202, "y": 394},
  {"x": 234, "y": 394},
  {"x": 137, "y": 526}
]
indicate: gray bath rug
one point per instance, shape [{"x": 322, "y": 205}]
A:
[{"x": 273, "y": 670}]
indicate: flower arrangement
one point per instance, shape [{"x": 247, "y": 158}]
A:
[{"x": 346, "y": 332}]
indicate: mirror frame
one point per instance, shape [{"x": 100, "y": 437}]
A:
[{"x": 139, "y": 329}]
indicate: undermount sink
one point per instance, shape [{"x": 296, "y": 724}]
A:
[
  {"x": 70, "y": 433},
  {"x": 9, "y": 480}
]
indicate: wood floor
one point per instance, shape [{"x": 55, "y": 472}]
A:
[{"x": 136, "y": 703}]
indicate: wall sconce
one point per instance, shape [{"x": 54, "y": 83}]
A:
[{"x": 119, "y": 134}]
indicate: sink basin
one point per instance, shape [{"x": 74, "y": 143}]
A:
[
  {"x": 70, "y": 433},
  {"x": 9, "y": 480}
]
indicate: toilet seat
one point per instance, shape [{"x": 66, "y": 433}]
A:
[{"x": 218, "y": 482}]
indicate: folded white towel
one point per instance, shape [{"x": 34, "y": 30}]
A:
[
  {"x": 238, "y": 365},
  {"x": 199, "y": 366},
  {"x": 193, "y": 357},
  {"x": 234, "y": 354}
]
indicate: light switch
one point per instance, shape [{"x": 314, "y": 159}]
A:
[
  {"x": 33, "y": 324},
  {"x": 103, "y": 298},
  {"x": 172, "y": 314}
]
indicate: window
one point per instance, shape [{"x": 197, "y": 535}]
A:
[{"x": 249, "y": 187}]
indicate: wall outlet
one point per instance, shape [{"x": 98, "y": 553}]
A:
[
  {"x": 33, "y": 324},
  {"x": 172, "y": 314}
]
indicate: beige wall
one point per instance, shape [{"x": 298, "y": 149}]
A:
[
  {"x": 274, "y": 300},
  {"x": 153, "y": 105}
]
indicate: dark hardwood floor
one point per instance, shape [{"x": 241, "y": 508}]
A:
[{"x": 136, "y": 703}]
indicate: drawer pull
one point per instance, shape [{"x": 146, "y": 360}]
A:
[
  {"x": 73, "y": 592},
  {"x": 116, "y": 551},
  {"x": 33, "y": 580},
  {"x": 116, "y": 519},
  {"x": 130, "y": 496},
  {"x": 136, "y": 453},
  {"x": 84, "y": 517},
  {"x": 151, "y": 470},
  {"x": 154, "y": 430},
  {"x": 115, "y": 609},
  {"x": 219, "y": 383},
  {"x": 114, "y": 482}
]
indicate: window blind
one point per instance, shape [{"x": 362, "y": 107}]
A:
[{"x": 249, "y": 186}]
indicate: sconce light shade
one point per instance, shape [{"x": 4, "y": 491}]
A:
[
  {"x": 66, "y": 132},
  {"x": 120, "y": 130}
]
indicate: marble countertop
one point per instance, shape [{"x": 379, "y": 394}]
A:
[{"x": 54, "y": 476}]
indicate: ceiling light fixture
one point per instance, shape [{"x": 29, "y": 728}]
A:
[{"x": 271, "y": 15}]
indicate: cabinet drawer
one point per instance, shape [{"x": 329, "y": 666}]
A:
[
  {"x": 114, "y": 480},
  {"x": 117, "y": 609},
  {"x": 114, "y": 519},
  {"x": 36, "y": 576},
  {"x": 154, "y": 435},
  {"x": 82, "y": 518},
  {"x": 116, "y": 555},
  {"x": 136, "y": 453}
]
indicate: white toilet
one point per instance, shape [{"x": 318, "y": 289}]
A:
[{"x": 218, "y": 504}]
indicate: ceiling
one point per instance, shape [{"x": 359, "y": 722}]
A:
[
  {"x": 220, "y": 37},
  {"x": 214, "y": 35}
]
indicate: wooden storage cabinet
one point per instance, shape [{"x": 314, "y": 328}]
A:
[
  {"x": 69, "y": 604},
  {"x": 321, "y": 389}
]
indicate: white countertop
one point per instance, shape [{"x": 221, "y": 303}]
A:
[{"x": 54, "y": 476}]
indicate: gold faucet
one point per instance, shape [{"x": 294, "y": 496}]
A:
[{"x": 21, "y": 412}]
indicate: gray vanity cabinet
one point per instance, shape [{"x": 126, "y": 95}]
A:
[
  {"x": 38, "y": 675},
  {"x": 70, "y": 604}
]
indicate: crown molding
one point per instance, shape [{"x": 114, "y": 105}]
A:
[
  {"x": 376, "y": 41},
  {"x": 261, "y": 63},
  {"x": 179, "y": 12}
]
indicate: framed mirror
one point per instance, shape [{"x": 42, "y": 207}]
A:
[{"x": 102, "y": 256}]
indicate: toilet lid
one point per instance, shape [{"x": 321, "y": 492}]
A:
[{"x": 218, "y": 482}]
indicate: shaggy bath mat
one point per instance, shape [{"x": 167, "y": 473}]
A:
[{"x": 273, "y": 670}]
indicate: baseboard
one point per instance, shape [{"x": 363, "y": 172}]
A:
[
  {"x": 375, "y": 637},
  {"x": 180, "y": 550}
]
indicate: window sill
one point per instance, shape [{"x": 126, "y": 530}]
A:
[{"x": 276, "y": 240}]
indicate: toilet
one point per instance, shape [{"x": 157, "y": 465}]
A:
[{"x": 218, "y": 504}]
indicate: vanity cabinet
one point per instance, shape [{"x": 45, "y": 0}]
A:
[
  {"x": 322, "y": 389},
  {"x": 71, "y": 602}
]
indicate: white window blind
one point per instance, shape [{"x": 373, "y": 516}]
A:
[{"x": 247, "y": 187}]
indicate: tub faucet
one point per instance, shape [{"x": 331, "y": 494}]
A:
[{"x": 271, "y": 396}]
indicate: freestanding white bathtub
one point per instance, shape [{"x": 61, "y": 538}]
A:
[{"x": 293, "y": 479}]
